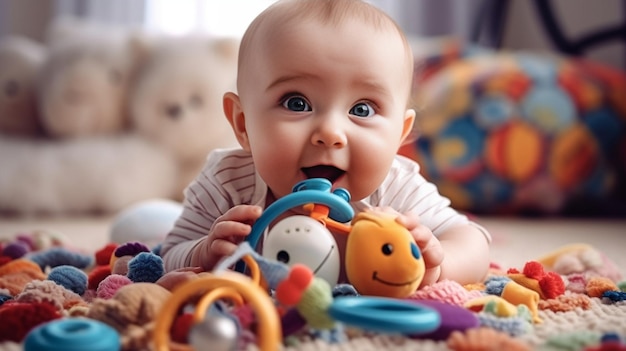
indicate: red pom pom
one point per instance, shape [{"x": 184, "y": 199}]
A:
[
  {"x": 4, "y": 260},
  {"x": 512, "y": 271},
  {"x": 180, "y": 328},
  {"x": 290, "y": 290},
  {"x": 552, "y": 285},
  {"x": 534, "y": 270},
  {"x": 98, "y": 275},
  {"x": 19, "y": 318},
  {"x": 103, "y": 256}
]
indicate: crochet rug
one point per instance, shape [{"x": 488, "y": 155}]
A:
[
  {"x": 582, "y": 305},
  {"x": 571, "y": 330}
]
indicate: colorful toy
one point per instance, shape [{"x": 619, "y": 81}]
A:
[
  {"x": 296, "y": 287},
  {"x": 381, "y": 256}
]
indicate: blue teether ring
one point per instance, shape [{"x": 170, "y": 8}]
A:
[
  {"x": 316, "y": 191},
  {"x": 382, "y": 314},
  {"x": 74, "y": 334}
]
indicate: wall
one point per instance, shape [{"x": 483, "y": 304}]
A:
[
  {"x": 26, "y": 17},
  {"x": 424, "y": 17},
  {"x": 578, "y": 17}
]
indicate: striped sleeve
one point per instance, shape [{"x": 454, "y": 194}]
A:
[{"x": 227, "y": 179}]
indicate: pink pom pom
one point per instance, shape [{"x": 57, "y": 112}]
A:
[{"x": 111, "y": 284}]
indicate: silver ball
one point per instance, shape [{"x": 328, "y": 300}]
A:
[{"x": 215, "y": 333}]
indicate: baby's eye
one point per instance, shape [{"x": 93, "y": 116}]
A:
[
  {"x": 296, "y": 103},
  {"x": 362, "y": 109}
]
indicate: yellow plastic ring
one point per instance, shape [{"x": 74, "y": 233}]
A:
[{"x": 269, "y": 333}]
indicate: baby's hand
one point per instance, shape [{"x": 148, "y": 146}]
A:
[
  {"x": 228, "y": 231},
  {"x": 431, "y": 248}
]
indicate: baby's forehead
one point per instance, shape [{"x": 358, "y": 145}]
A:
[
  {"x": 288, "y": 16},
  {"x": 331, "y": 13}
]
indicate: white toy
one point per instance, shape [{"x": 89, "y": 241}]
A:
[
  {"x": 20, "y": 61},
  {"x": 147, "y": 222},
  {"x": 85, "y": 175},
  {"x": 83, "y": 84},
  {"x": 176, "y": 99},
  {"x": 304, "y": 240}
]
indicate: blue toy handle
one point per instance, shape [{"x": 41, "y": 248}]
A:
[
  {"x": 73, "y": 334},
  {"x": 314, "y": 190}
]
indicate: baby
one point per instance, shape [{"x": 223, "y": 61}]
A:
[{"x": 323, "y": 89}]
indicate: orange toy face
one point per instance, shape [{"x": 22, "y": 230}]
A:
[{"x": 382, "y": 258}]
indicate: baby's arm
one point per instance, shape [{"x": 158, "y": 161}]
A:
[
  {"x": 466, "y": 254},
  {"x": 461, "y": 253},
  {"x": 228, "y": 231}
]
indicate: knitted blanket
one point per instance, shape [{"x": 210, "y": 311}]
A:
[
  {"x": 571, "y": 299},
  {"x": 578, "y": 329}
]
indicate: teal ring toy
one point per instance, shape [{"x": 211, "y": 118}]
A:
[
  {"x": 314, "y": 190},
  {"x": 73, "y": 334},
  {"x": 387, "y": 315}
]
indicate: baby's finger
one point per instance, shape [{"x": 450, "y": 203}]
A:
[
  {"x": 242, "y": 213},
  {"x": 232, "y": 231},
  {"x": 422, "y": 235},
  {"x": 223, "y": 247},
  {"x": 409, "y": 220},
  {"x": 433, "y": 253}
]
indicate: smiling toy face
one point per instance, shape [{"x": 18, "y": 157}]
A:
[{"x": 382, "y": 258}]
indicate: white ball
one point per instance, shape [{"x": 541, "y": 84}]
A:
[{"x": 147, "y": 222}]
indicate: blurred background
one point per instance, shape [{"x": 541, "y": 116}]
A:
[
  {"x": 521, "y": 28},
  {"x": 521, "y": 103}
]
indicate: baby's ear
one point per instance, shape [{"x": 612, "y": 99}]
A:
[
  {"x": 407, "y": 127},
  {"x": 236, "y": 118}
]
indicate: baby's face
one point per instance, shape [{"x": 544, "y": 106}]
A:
[{"x": 326, "y": 101}]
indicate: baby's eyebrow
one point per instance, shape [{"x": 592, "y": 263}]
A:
[
  {"x": 291, "y": 77},
  {"x": 374, "y": 87}
]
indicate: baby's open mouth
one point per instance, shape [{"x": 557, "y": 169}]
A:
[{"x": 331, "y": 173}]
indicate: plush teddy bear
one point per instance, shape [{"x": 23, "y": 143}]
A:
[
  {"x": 176, "y": 98},
  {"x": 20, "y": 60},
  {"x": 84, "y": 82}
]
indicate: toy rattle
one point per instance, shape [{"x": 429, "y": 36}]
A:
[
  {"x": 295, "y": 287},
  {"x": 302, "y": 262},
  {"x": 212, "y": 287},
  {"x": 381, "y": 256}
]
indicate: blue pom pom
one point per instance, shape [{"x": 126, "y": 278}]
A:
[
  {"x": 145, "y": 267},
  {"x": 58, "y": 256},
  {"x": 157, "y": 249},
  {"x": 611, "y": 337},
  {"x": 495, "y": 285},
  {"x": 614, "y": 296},
  {"x": 4, "y": 298},
  {"x": 70, "y": 278}
]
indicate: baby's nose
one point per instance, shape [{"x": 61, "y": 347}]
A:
[{"x": 330, "y": 133}]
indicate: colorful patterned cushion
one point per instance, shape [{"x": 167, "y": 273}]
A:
[{"x": 519, "y": 132}]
